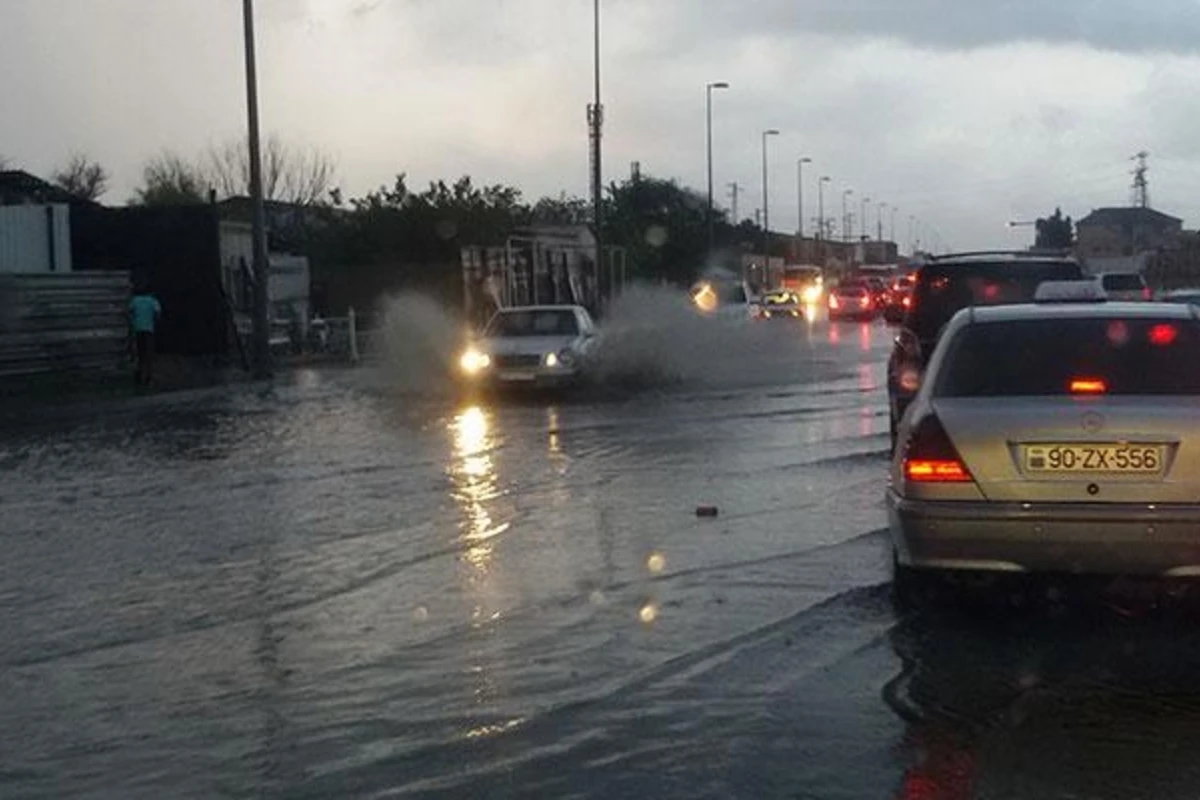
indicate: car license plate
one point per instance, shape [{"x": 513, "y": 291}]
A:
[
  {"x": 520, "y": 376},
  {"x": 1138, "y": 459}
]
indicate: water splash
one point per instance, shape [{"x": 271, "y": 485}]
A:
[
  {"x": 654, "y": 336},
  {"x": 419, "y": 344}
]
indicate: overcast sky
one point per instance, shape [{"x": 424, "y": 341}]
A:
[{"x": 964, "y": 113}]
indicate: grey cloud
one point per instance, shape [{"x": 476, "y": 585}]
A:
[{"x": 1118, "y": 25}]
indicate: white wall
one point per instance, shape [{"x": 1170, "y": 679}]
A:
[
  {"x": 25, "y": 239},
  {"x": 290, "y": 282}
]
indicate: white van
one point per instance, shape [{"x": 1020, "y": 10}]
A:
[{"x": 1124, "y": 286}]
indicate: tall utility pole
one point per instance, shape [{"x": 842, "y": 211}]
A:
[
  {"x": 708, "y": 90},
  {"x": 262, "y": 302},
  {"x": 892, "y": 235},
  {"x": 1141, "y": 188},
  {"x": 596, "y": 133},
  {"x": 863, "y": 218},
  {"x": 733, "y": 193},
  {"x": 879, "y": 221},
  {"x": 766, "y": 209}
]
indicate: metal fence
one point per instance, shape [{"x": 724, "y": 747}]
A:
[
  {"x": 353, "y": 338},
  {"x": 62, "y": 322}
]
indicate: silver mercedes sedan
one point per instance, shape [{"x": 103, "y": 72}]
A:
[{"x": 1053, "y": 437}]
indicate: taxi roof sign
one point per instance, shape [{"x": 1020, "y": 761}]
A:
[{"x": 1085, "y": 291}]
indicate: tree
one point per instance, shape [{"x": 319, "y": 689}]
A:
[
  {"x": 662, "y": 227},
  {"x": 169, "y": 179},
  {"x": 81, "y": 177},
  {"x": 562, "y": 210},
  {"x": 1055, "y": 232},
  {"x": 303, "y": 176}
]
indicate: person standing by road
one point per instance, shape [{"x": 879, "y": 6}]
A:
[{"x": 144, "y": 311}]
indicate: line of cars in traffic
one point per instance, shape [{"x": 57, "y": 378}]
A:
[{"x": 1042, "y": 421}]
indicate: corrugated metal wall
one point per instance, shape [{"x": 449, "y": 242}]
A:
[
  {"x": 35, "y": 238},
  {"x": 62, "y": 322}
]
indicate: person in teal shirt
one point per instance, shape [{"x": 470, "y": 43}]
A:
[{"x": 144, "y": 311}]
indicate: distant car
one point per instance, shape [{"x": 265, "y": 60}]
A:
[
  {"x": 943, "y": 286},
  {"x": 531, "y": 346},
  {"x": 1052, "y": 437},
  {"x": 724, "y": 299},
  {"x": 899, "y": 299},
  {"x": 1190, "y": 296},
  {"x": 881, "y": 291},
  {"x": 1124, "y": 286},
  {"x": 852, "y": 300},
  {"x": 780, "y": 305}
]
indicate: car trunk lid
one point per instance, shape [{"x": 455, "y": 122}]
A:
[{"x": 1079, "y": 449}]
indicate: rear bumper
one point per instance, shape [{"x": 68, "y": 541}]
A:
[{"x": 1089, "y": 538}]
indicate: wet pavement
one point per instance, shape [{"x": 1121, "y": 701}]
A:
[{"x": 341, "y": 588}]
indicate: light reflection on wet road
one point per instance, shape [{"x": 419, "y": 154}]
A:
[{"x": 334, "y": 591}]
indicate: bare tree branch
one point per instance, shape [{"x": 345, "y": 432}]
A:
[
  {"x": 82, "y": 177},
  {"x": 169, "y": 179},
  {"x": 300, "y": 176}
]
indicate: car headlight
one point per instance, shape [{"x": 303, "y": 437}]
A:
[
  {"x": 812, "y": 294},
  {"x": 563, "y": 358},
  {"x": 474, "y": 362}
]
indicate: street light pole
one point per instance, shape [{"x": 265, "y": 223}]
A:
[
  {"x": 879, "y": 221},
  {"x": 261, "y": 260},
  {"x": 800, "y": 194},
  {"x": 862, "y": 222},
  {"x": 892, "y": 235},
  {"x": 766, "y": 210},
  {"x": 821, "y": 232},
  {"x": 846, "y": 216},
  {"x": 708, "y": 90}
]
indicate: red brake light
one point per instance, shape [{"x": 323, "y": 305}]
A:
[
  {"x": 1163, "y": 335},
  {"x": 833, "y": 301},
  {"x": 906, "y": 302},
  {"x": 931, "y": 457},
  {"x": 865, "y": 302},
  {"x": 1146, "y": 293},
  {"x": 1088, "y": 386},
  {"x": 930, "y": 471}
]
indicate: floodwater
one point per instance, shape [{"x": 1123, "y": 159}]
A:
[{"x": 357, "y": 585}]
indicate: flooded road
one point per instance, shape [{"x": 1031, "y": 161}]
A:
[{"x": 339, "y": 589}]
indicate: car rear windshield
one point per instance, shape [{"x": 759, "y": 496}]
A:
[
  {"x": 1041, "y": 357},
  {"x": 552, "y": 322},
  {"x": 945, "y": 289},
  {"x": 1122, "y": 283},
  {"x": 852, "y": 289}
]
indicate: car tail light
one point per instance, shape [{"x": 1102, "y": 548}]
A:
[
  {"x": 931, "y": 457},
  {"x": 1147, "y": 294},
  {"x": 1163, "y": 335},
  {"x": 906, "y": 302},
  {"x": 1088, "y": 386},
  {"x": 865, "y": 302},
  {"x": 834, "y": 303}
]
